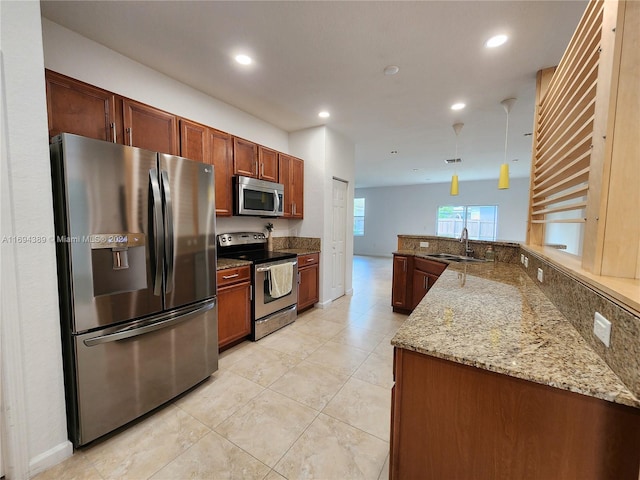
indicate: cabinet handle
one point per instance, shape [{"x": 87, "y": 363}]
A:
[
  {"x": 262, "y": 169},
  {"x": 130, "y": 137},
  {"x": 251, "y": 293},
  {"x": 293, "y": 208},
  {"x": 113, "y": 132},
  {"x": 257, "y": 170},
  {"x": 227, "y": 277},
  {"x": 309, "y": 259}
]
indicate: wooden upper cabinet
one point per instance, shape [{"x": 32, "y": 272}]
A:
[
  {"x": 79, "y": 108},
  {"x": 284, "y": 177},
  {"x": 194, "y": 141},
  {"x": 221, "y": 157},
  {"x": 267, "y": 164},
  {"x": 245, "y": 158},
  {"x": 291, "y": 175},
  {"x": 297, "y": 193},
  {"x": 150, "y": 128}
]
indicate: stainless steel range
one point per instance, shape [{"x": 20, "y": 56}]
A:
[{"x": 274, "y": 279}]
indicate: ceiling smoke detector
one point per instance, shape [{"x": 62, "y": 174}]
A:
[
  {"x": 449, "y": 161},
  {"x": 391, "y": 70}
]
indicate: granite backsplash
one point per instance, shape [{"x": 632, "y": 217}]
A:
[
  {"x": 506, "y": 252},
  {"x": 578, "y": 303},
  {"x": 305, "y": 243}
]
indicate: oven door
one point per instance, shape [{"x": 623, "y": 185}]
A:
[
  {"x": 264, "y": 303},
  {"x": 257, "y": 197}
]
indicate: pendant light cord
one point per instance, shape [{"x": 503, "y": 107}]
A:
[{"x": 506, "y": 138}]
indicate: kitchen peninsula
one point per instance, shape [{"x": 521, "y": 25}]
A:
[{"x": 491, "y": 378}]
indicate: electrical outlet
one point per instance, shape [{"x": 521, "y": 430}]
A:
[
  {"x": 526, "y": 262},
  {"x": 540, "y": 275},
  {"x": 522, "y": 258},
  {"x": 602, "y": 328},
  {"x": 424, "y": 244}
]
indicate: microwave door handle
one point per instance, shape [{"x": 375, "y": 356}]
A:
[
  {"x": 277, "y": 202},
  {"x": 169, "y": 243},
  {"x": 158, "y": 236}
]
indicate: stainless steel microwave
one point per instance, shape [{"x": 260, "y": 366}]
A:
[{"x": 257, "y": 197}]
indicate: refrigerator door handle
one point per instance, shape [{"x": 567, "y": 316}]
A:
[
  {"x": 158, "y": 236},
  {"x": 168, "y": 228},
  {"x": 137, "y": 331}
]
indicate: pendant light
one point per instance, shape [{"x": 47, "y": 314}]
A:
[
  {"x": 454, "y": 178},
  {"x": 503, "y": 180}
]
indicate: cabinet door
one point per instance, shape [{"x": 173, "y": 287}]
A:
[
  {"x": 79, "y": 108},
  {"x": 421, "y": 284},
  {"x": 268, "y": 164},
  {"x": 222, "y": 160},
  {"x": 234, "y": 313},
  {"x": 245, "y": 158},
  {"x": 308, "y": 287},
  {"x": 284, "y": 177},
  {"x": 194, "y": 141},
  {"x": 400, "y": 294},
  {"x": 150, "y": 128},
  {"x": 297, "y": 190}
]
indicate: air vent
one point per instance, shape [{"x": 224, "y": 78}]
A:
[{"x": 453, "y": 160}]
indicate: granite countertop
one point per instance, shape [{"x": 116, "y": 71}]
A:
[
  {"x": 300, "y": 251},
  {"x": 493, "y": 316},
  {"x": 224, "y": 263}
]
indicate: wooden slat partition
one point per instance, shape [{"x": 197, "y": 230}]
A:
[{"x": 563, "y": 140}]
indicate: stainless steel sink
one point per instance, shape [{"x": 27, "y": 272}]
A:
[{"x": 456, "y": 258}]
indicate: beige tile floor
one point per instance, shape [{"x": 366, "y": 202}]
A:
[{"x": 310, "y": 401}]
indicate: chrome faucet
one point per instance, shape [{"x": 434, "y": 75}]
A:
[{"x": 464, "y": 237}]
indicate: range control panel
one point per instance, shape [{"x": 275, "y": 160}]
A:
[{"x": 241, "y": 238}]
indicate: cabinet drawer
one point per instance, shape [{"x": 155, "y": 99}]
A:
[
  {"x": 429, "y": 266},
  {"x": 308, "y": 260},
  {"x": 229, "y": 276}
]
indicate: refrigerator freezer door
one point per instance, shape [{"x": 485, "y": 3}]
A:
[
  {"x": 125, "y": 372},
  {"x": 190, "y": 244},
  {"x": 101, "y": 193}
]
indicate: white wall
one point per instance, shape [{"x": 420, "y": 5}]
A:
[
  {"x": 31, "y": 353},
  {"x": 327, "y": 155},
  {"x": 391, "y": 211},
  {"x": 340, "y": 164}
]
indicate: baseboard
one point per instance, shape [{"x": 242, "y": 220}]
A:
[
  {"x": 50, "y": 458},
  {"x": 349, "y": 292},
  {"x": 324, "y": 304}
]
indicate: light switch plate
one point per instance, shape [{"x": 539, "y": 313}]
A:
[
  {"x": 540, "y": 275},
  {"x": 424, "y": 244},
  {"x": 526, "y": 262},
  {"x": 522, "y": 258},
  {"x": 602, "y": 328}
]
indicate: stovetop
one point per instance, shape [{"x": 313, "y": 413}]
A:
[{"x": 248, "y": 246}]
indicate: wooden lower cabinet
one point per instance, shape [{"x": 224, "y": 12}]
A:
[
  {"x": 450, "y": 420},
  {"x": 401, "y": 285},
  {"x": 234, "y": 305},
  {"x": 308, "y": 284}
]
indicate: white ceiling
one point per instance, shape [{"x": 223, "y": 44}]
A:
[{"x": 313, "y": 55}]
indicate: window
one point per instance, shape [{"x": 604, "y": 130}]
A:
[
  {"x": 481, "y": 221},
  {"x": 358, "y": 217}
]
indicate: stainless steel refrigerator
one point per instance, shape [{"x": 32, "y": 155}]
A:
[{"x": 136, "y": 250}]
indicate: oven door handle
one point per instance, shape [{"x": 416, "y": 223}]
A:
[{"x": 266, "y": 269}]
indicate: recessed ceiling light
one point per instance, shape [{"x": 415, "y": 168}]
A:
[
  {"x": 458, "y": 106},
  {"x": 391, "y": 70},
  {"x": 244, "y": 59},
  {"x": 496, "y": 41},
  {"x": 324, "y": 114}
]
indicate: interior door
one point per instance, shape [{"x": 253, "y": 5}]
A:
[
  {"x": 102, "y": 224},
  {"x": 338, "y": 237},
  {"x": 188, "y": 192}
]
